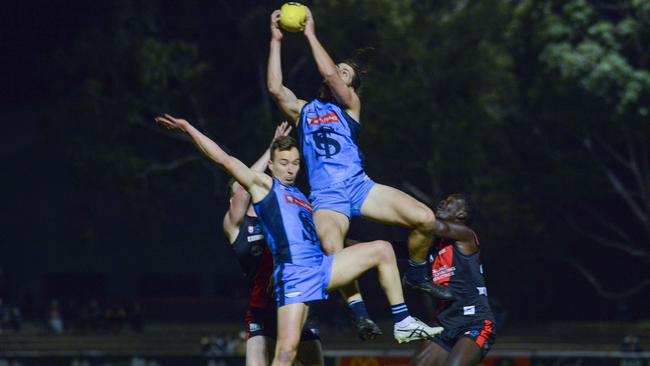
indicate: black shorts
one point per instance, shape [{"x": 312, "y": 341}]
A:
[
  {"x": 482, "y": 334},
  {"x": 264, "y": 322}
]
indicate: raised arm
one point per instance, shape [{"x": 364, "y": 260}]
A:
[
  {"x": 239, "y": 203},
  {"x": 286, "y": 100},
  {"x": 260, "y": 165},
  {"x": 344, "y": 94},
  {"x": 256, "y": 183}
]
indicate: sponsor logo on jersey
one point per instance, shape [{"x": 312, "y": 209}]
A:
[
  {"x": 292, "y": 294},
  {"x": 297, "y": 201},
  {"x": 473, "y": 333},
  {"x": 314, "y": 331},
  {"x": 254, "y": 229},
  {"x": 253, "y": 238},
  {"x": 442, "y": 273},
  {"x": 482, "y": 290},
  {"x": 469, "y": 310},
  {"x": 331, "y": 117},
  {"x": 254, "y": 327}
]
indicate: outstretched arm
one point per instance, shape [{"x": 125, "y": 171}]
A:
[
  {"x": 461, "y": 233},
  {"x": 284, "y": 98},
  {"x": 343, "y": 93},
  {"x": 452, "y": 230},
  {"x": 240, "y": 198},
  {"x": 256, "y": 183}
]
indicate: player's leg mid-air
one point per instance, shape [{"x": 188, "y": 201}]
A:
[
  {"x": 328, "y": 129},
  {"x": 302, "y": 272}
]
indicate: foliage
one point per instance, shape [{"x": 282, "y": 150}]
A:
[{"x": 537, "y": 109}]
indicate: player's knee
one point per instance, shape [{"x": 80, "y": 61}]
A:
[
  {"x": 286, "y": 353},
  {"x": 331, "y": 247},
  {"x": 423, "y": 219},
  {"x": 384, "y": 251}
]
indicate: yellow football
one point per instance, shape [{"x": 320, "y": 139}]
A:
[{"x": 292, "y": 17}]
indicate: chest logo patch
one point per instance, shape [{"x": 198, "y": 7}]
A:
[{"x": 469, "y": 310}]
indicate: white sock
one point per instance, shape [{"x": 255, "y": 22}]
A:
[{"x": 404, "y": 322}]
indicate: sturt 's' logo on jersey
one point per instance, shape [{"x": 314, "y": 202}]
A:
[
  {"x": 308, "y": 228},
  {"x": 297, "y": 201},
  {"x": 331, "y": 117},
  {"x": 327, "y": 145}
]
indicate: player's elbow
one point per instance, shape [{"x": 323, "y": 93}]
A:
[
  {"x": 274, "y": 88},
  {"x": 330, "y": 77}
]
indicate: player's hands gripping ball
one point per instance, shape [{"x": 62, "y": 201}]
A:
[{"x": 293, "y": 17}]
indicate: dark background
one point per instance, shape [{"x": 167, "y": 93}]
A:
[{"x": 538, "y": 110}]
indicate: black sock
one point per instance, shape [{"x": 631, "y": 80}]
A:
[
  {"x": 399, "y": 311},
  {"x": 416, "y": 272},
  {"x": 358, "y": 308}
]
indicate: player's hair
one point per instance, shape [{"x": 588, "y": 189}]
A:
[
  {"x": 283, "y": 143},
  {"x": 358, "y": 72},
  {"x": 359, "y": 58}
]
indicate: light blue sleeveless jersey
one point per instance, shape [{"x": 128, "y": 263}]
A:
[
  {"x": 285, "y": 215},
  {"x": 328, "y": 139}
]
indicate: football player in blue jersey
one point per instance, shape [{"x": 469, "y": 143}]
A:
[
  {"x": 303, "y": 273},
  {"x": 244, "y": 233},
  {"x": 328, "y": 131}
]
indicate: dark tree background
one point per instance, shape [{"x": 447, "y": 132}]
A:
[{"x": 539, "y": 110}]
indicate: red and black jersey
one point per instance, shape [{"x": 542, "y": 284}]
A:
[
  {"x": 255, "y": 260},
  {"x": 463, "y": 274}
]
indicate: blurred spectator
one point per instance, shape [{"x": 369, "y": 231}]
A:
[
  {"x": 136, "y": 319},
  {"x": 71, "y": 314},
  {"x": 240, "y": 349},
  {"x": 15, "y": 319},
  {"x": 4, "y": 316},
  {"x": 3, "y": 283},
  {"x": 115, "y": 318},
  {"x": 10, "y": 317},
  {"x": 77, "y": 362},
  {"x": 28, "y": 307},
  {"x": 230, "y": 344},
  {"x": 223, "y": 345},
  {"x": 631, "y": 343},
  {"x": 90, "y": 316},
  {"x": 54, "y": 317},
  {"x": 208, "y": 345}
]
